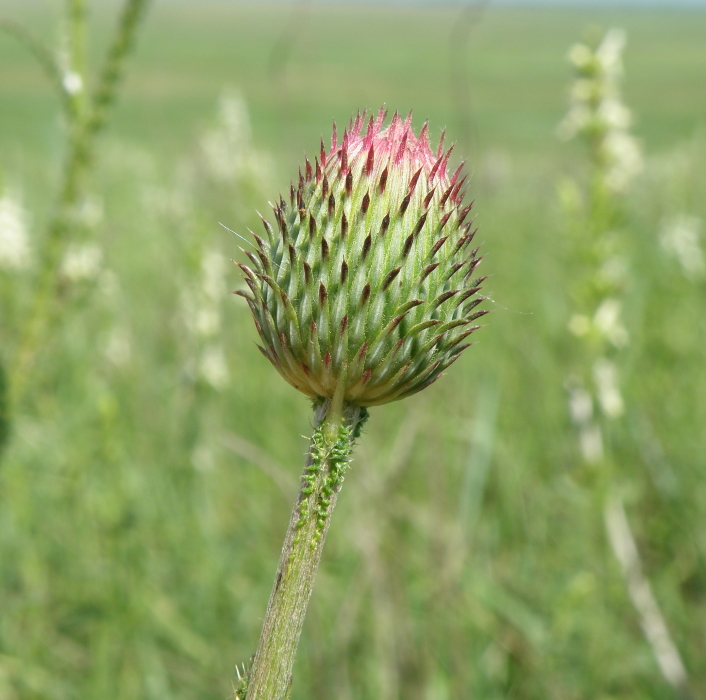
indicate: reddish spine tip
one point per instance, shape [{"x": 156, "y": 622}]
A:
[
  {"x": 367, "y": 243},
  {"x": 445, "y": 296},
  {"x": 365, "y": 203},
  {"x": 312, "y": 226},
  {"x": 323, "y": 294},
  {"x": 309, "y": 172},
  {"x": 457, "y": 189},
  {"x": 464, "y": 213},
  {"x": 393, "y": 324},
  {"x": 384, "y": 225},
  {"x": 407, "y": 245},
  {"x": 413, "y": 181},
  {"x": 445, "y": 196},
  {"x": 401, "y": 149},
  {"x": 349, "y": 183},
  {"x": 324, "y": 186},
  {"x": 344, "y": 324},
  {"x": 404, "y": 205},
  {"x": 331, "y": 204},
  {"x": 437, "y": 245},
  {"x": 344, "y": 226},
  {"x": 344, "y": 272},
  {"x": 365, "y": 295},
  {"x": 420, "y": 224},
  {"x": 307, "y": 272},
  {"x": 370, "y": 131},
  {"x": 263, "y": 258},
  {"x": 440, "y": 149},
  {"x": 478, "y": 314},
  {"x": 427, "y": 271},
  {"x": 268, "y": 227},
  {"x": 370, "y": 162},
  {"x": 383, "y": 181},
  {"x": 324, "y": 249},
  {"x": 390, "y": 277},
  {"x": 423, "y": 141},
  {"x": 434, "y": 170}
]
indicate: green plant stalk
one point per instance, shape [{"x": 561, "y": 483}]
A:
[
  {"x": 85, "y": 117},
  {"x": 4, "y": 419},
  {"x": 335, "y": 430}
]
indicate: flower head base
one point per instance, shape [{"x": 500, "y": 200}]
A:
[{"x": 367, "y": 286}]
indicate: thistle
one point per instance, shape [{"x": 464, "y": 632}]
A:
[
  {"x": 366, "y": 284},
  {"x": 362, "y": 293}
]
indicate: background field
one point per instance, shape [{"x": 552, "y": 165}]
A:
[{"x": 147, "y": 487}]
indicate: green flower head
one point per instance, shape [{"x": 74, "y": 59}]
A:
[{"x": 367, "y": 284}]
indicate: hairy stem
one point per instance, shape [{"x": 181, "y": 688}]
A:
[{"x": 335, "y": 430}]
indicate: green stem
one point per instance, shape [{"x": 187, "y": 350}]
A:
[
  {"x": 86, "y": 118},
  {"x": 270, "y": 677},
  {"x": 4, "y": 418},
  {"x": 76, "y": 15}
]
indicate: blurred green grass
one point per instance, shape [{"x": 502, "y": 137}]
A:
[{"x": 142, "y": 509}]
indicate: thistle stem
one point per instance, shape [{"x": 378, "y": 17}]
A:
[{"x": 270, "y": 677}]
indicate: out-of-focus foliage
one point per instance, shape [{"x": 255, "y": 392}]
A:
[{"x": 147, "y": 486}]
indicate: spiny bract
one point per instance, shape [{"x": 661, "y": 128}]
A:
[{"x": 368, "y": 283}]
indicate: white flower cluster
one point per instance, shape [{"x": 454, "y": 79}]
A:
[
  {"x": 590, "y": 437},
  {"x": 118, "y": 347},
  {"x": 597, "y": 112},
  {"x": 227, "y": 151},
  {"x": 679, "y": 236},
  {"x": 82, "y": 263},
  {"x": 606, "y": 322},
  {"x": 14, "y": 241},
  {"x": 201, "y": 314},
  {"x": 581, "y": 402}
]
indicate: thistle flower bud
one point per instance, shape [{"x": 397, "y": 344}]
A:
[{"x": 367, "y": 284}]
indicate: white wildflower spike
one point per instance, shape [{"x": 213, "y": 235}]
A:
[
  {"x": 82, "y": 263},
  {"x": 605, "y": 376},
  {"x": 227, "y": 152},
  {"x": 14, "y": 241},
  {"x": 607, "y": 322},
  {"x": 597, "y": 113},
  {"x": 213, "y": 367},
  {"x": 679, "y": 236}
]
